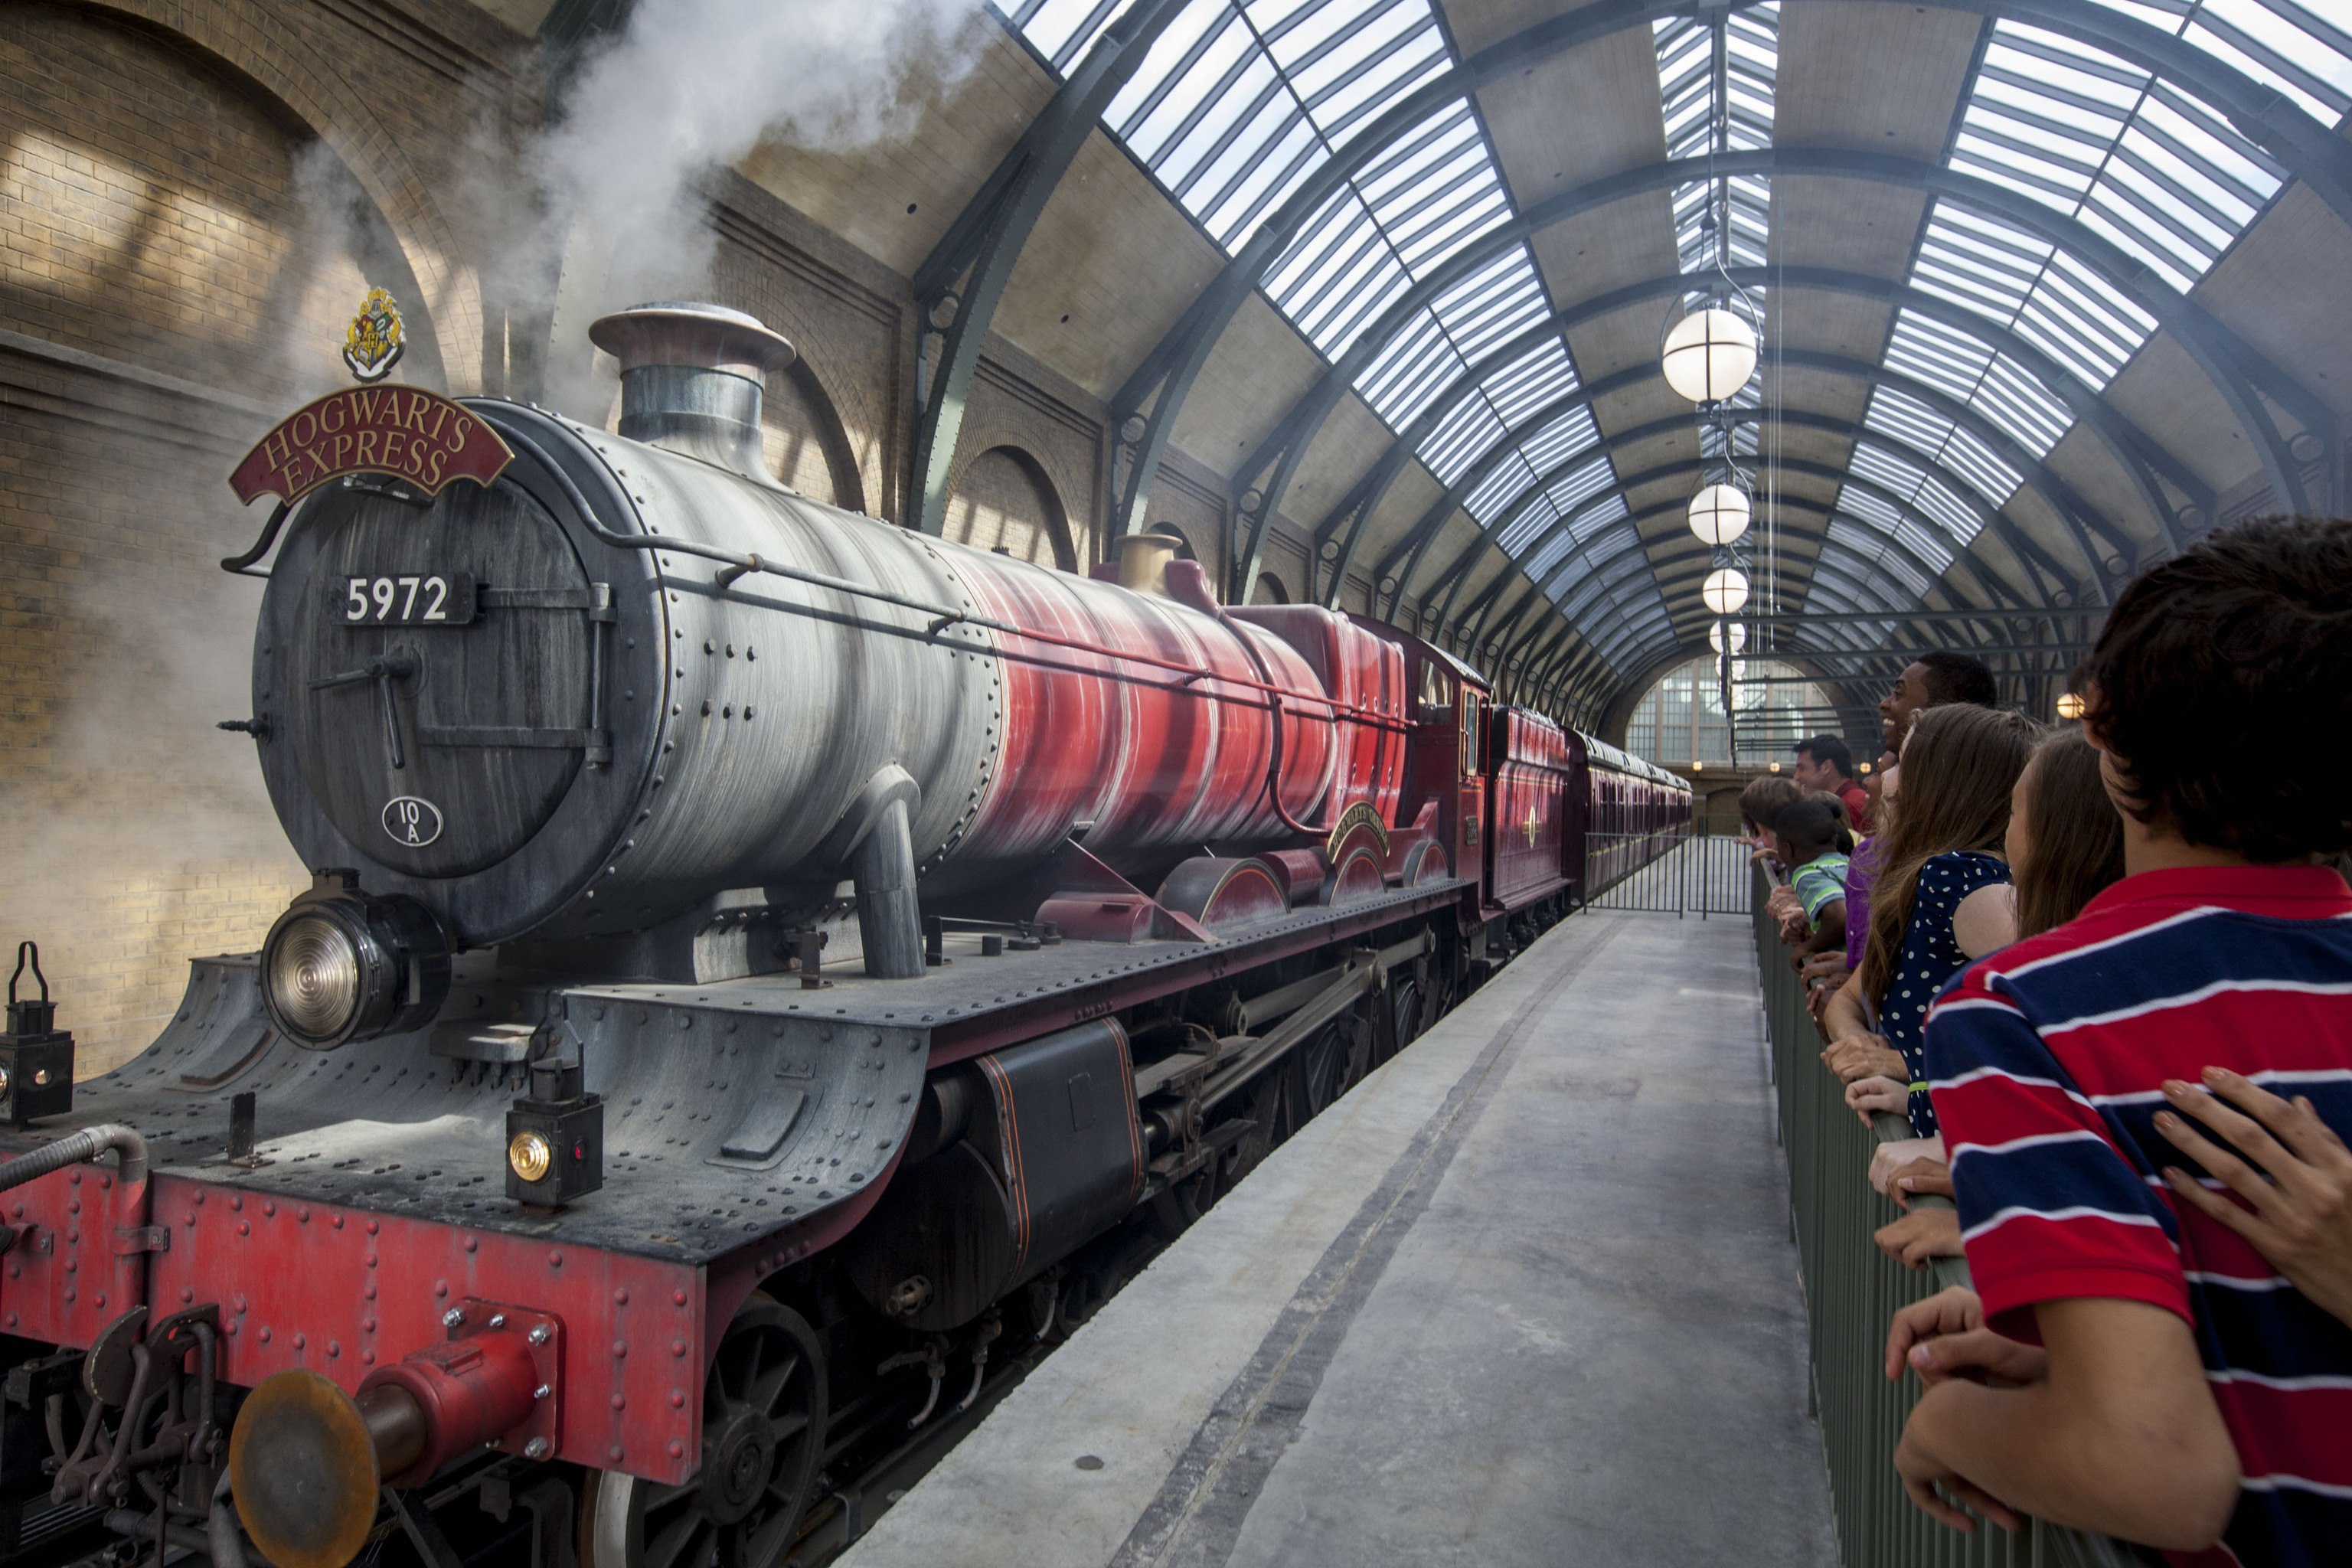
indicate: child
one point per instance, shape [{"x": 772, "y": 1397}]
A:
[
  {"x": 1810, "y": 835},
  {"x": 2130, "y": 1364}
]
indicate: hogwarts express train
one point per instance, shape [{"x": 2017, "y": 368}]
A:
[{"x": 761, "y": 959}]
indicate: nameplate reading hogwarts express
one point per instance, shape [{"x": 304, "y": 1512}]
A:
[{"x": 419, "y": 438}]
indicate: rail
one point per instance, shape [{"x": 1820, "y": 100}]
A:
[
  {"x": 1851, "y": 1290},
  {"x": 1701, "y": 875}
]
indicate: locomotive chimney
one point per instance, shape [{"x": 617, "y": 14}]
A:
[{"x": 692, "y": 380}]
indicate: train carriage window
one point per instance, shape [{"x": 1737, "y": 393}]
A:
[{"x": 1473, "y": 710}]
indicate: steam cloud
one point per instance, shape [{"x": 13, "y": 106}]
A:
[{"x": 610, "y": 214}]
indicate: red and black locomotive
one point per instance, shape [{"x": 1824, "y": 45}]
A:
[{"x": 762, "y": 963}]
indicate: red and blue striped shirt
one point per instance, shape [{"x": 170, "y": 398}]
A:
[{"x": 2045, "y": 1061}]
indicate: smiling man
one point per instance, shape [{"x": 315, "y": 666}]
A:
[{"x": 1930, "y": 681}]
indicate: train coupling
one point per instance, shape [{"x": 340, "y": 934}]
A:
[{"x": 308, "y": 1463}]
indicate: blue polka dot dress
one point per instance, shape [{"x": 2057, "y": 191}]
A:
[{"x": 1930, "y": 957}]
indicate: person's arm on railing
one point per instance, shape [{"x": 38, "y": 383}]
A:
[
  {"x": 2119, "y": 1433},
  {"x": 2067, "y": 1243}
]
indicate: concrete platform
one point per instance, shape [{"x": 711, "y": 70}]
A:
[{"x": 1526, "y": 1296}]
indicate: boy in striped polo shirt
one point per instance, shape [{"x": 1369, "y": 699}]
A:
[{"x": 2132, "y": 1366}]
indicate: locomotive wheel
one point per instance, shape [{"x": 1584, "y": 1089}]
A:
[
  {"x": 1404, "y": 1015},
  {"x": 764, "y": 1422}
]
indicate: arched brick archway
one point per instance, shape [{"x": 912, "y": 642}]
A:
[{"x": 1005, "y": 500}]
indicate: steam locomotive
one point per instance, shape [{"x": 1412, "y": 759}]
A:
[{"x": 760, "y": 958}]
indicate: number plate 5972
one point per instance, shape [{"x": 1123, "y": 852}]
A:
[{"x": 408, "y": 599}]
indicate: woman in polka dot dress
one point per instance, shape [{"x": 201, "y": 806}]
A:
[{"x": 1959, "y": 767}]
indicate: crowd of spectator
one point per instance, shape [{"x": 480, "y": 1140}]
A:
[{"x": 2094, "y": 985}]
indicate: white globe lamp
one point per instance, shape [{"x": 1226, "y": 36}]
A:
[
  {"x": 1721, "y": 514},
  {"x": 1725, "y": 590},
  {"x": 1728, "y": 636},
  {"x": 1709, "y": 354}
]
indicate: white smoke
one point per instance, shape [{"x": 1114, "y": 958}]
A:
[{"x": 613, "y": 210}]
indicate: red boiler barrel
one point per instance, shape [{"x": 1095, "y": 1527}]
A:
[{"x": 1156, "y": 720}]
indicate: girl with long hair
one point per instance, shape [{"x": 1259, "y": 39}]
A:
[
  {"x": 1959, "y": 769},
  {"x": 2065, "y": 836}
]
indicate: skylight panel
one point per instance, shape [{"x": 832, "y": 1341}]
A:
[
  {"x": 1413, "y": 367},
  {"x": 1061, "y": 30},
  {"x": 1491, "y": 411},
  {"x": 1492, "y": 497},
  {"x": 2023, "y": 282},
  {"x": 2098, "y": 138},
  {"x": 1542, "y": 375},
  {"x": 1563, "y": 439},
  {"x": 1922, "y": 427},
  {"x": 1468, "y": 430},
  {"x": 2283, "y": 43},
  {"x": 1922, "y": 489},
  {"x": 1881, "y": 566}
]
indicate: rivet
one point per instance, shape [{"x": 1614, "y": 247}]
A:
[
  {"x": 334, "y": 1348},
  {"x": 269, "y": 1211},
  {"x": 537, "y": 1448},
  {"x": 453, "y": 1317},
  {"x": 498, "y": 1320},
  {"x": 473, "y": 1243},
  {"x": 539, "y": 1334},
  {"x": 620, "y": 1402},
  {"x": 621, "y": 1296},
  {"x": 299, "y": 1342},
  {"x": 613, "y": 1453},
  {"x": 555, "y": 1260},
  {"x": 620, "y": 1349},
  {"x": 539, "y": 1392},
  {"x": 677, "y": 1399},
  {"x": 677, "y": 1347},
  {"x": 676, "y": 1449},
  {"x": 264, "y": 1333}
]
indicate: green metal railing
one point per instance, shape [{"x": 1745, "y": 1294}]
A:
[{"x": 1852, "y": 1291}]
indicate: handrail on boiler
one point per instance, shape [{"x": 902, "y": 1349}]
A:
[{"x": 1853, "y": 1290}]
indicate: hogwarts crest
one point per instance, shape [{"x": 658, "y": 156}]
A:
[{"x": 375, "y": 344}]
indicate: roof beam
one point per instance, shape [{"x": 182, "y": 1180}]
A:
[{"x": 984, "y": 244}]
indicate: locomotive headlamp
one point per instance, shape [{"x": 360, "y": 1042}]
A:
[
  {"x": 529, "y": 1154},
  {"x": 343, "y": 965}
]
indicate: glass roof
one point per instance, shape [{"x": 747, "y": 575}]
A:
[
  {"x": 2099, "y": 140},
  {"x": 1240, "y": 101},
  {"x": 2282, "y": 43}
]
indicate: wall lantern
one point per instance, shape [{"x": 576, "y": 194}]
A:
[
  {"x": 2070, "y": 705},
  {"x": 1721, "y": 514},
  {"x": 1725, "y": 590},
  {"x": 1728, "y": 636},
  {"x": 1709, "y": 354}
]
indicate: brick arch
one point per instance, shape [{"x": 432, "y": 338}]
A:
[
  {"x": 290, "y": 71},
  {"x": 1004, "y": 499},
  {"x": 808, "y": 446}
]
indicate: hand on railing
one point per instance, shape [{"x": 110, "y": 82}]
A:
[
  {"x": 1900, "y": 1154},
  {"x": 1921, "y": 1236},
  {"x": 1945, "y": 1337},
  {"x": 1921, "y": 1179},
  {"x": 1852, "y": 1056},
  {"x": 1942, "y": 1338},
  {"x": 1866, "y": 1097}
]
